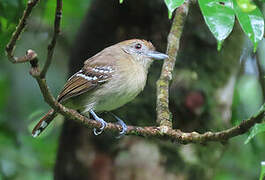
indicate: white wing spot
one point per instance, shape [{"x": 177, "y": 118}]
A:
[
  {"x": 89, "y": 78},
  {"x": 103, "y": 69},
  {"x": 103, "y": 80},
  {"x": 95, "y": 69}
]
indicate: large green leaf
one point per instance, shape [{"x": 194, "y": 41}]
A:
[
  {"x": 172, "y": 5},
  {"x": 258, "y": 128},
  {"x": 219, "y": 17},
  {"x": 252, "y": 23}
]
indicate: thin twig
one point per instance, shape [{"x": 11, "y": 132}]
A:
[
  {"x": 51, "y": 46},
  {"x": 162, "y": 107},
  {"x": 15, "y": 36}
]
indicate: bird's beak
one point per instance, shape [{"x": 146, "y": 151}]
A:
[{"x": 156, "y": 55}]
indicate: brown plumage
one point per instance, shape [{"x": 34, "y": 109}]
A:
[{"x": 108, "y": 80}]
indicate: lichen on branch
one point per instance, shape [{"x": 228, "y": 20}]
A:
[{"x": 162, "y": 105}]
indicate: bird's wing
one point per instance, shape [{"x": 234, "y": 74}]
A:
[{"x": 91, "y": 76}]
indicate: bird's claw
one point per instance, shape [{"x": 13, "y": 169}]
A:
[
  {"x": 103, "y": 125},
  {"x": 124, "y": 128},
  {"x": 123, "y": 125}
]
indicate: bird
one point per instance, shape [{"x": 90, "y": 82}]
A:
[{"x": 107, "y": 81}]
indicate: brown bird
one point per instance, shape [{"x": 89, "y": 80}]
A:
[{"x": 108, "y": 80}]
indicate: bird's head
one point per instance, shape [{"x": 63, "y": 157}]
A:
[{"x": 141, "y": 51}]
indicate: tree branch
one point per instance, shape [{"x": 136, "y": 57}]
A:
[
  {"x": 155, "y": 132},
  {"x": 162, "y": 105},
  {"x": 19, "y": 29},
  {"x": 51, "y": 46}
]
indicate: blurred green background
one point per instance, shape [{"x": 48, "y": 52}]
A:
[{"x": 21, "y": 104}]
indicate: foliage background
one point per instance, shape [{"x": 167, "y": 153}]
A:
[{"x": 22, "y": 157}]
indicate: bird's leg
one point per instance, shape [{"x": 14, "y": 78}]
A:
[
  {"x": 123, "y": 125},
  {"x": 103, "y": 123}
]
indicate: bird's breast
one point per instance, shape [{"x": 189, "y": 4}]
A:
[{"x": 127, "y": 82}]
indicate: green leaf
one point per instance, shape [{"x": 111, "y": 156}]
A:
[
  {"x": 252, "y": 23},
  {"x": 121, "y": 1},
  {"x": 219, "y": 17},
  {"x": 246, "y": 5},
  {"x": 258, "y": 128},
  {"x": 172, "y": 5},
  {"x": 262, "y": 172}
]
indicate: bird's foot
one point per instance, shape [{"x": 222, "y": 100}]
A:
[
  {"x": 123, "y": 125},
  {"x": 103, "y": 123}
]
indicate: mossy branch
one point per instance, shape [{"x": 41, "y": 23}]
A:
[{"x": 162, "y": 105}]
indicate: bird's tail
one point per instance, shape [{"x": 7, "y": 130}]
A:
[{"x": 43, "y": 123}]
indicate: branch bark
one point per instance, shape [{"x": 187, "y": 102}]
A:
[
  {"x": 155, "y": 132},
  {"x": 162, "y": 109},
  {"x": 15, "y": 36},
  {"x": 51, "y": 46}
]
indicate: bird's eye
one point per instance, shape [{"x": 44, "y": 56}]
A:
[{"x": 138, "y": 46}]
